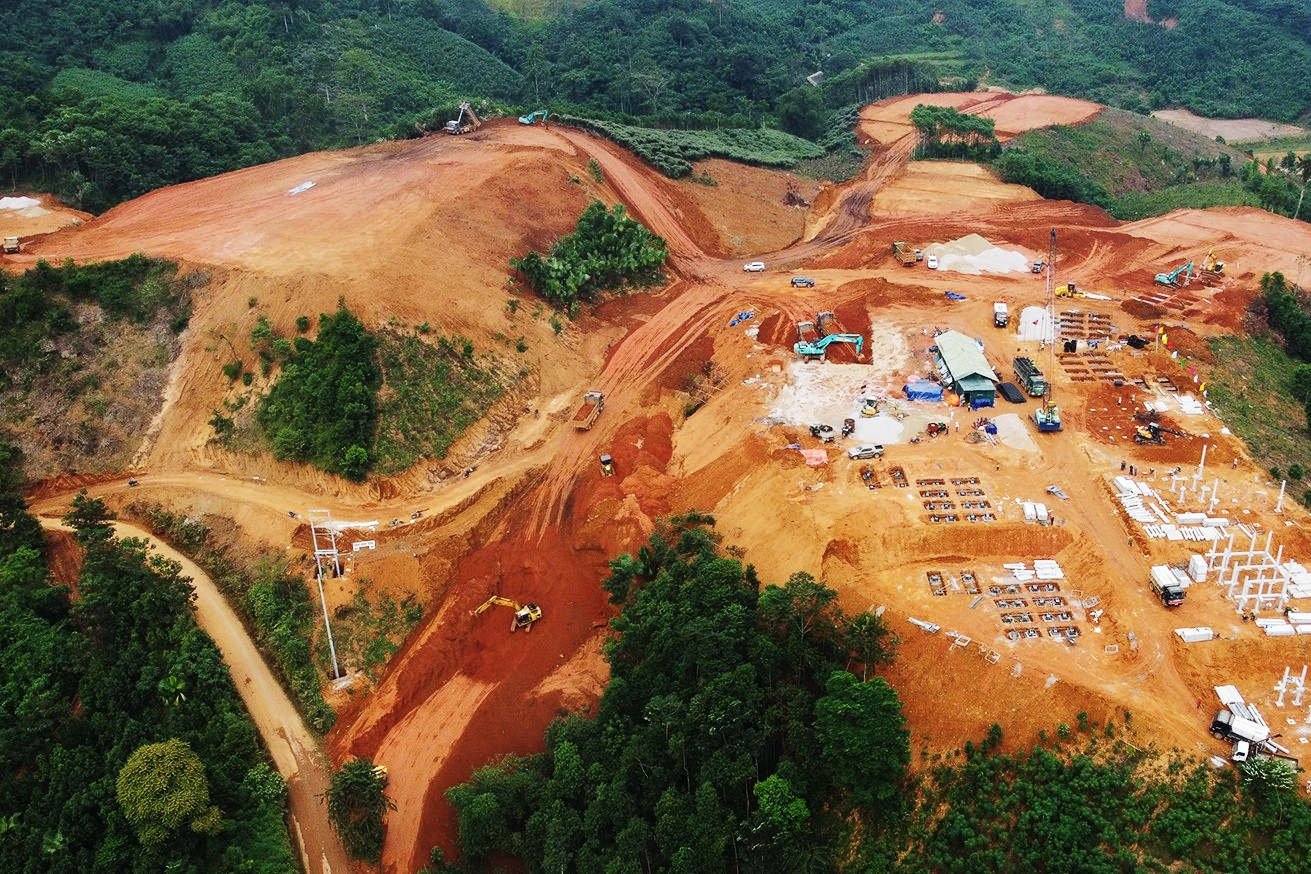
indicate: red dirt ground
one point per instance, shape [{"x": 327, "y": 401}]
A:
[
  {"x": 402, "y": 232},
  {"x": 1013, "y": 113}
]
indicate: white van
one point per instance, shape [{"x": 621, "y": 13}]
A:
[{"x": 1242, "y": 750}]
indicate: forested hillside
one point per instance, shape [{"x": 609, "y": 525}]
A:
[{"x": 103, "y": 101}]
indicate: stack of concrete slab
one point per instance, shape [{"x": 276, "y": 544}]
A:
[
  {"x": 1197, "y": 568},
  {"x": 1047, "y": 569},
  {"x": 1035, "y": 512},
  {"x": 1191, "y": 406},
  {"x": 1276, "y": 627},
  {"x": 1195, "y": 635},
  {"x": 1194, "y": 533}
]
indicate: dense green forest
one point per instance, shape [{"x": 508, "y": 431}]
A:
[
  {"x": 745, "y": 728},
  {"x": 109, "y": 694},
  {"x": 103, "y": 101}
]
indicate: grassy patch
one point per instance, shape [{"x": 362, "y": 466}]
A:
[
  {"x": 1197, "y": 195},
  {"x": 1253, "y": 396},
  {"x": 431, "y": 392},
  {"x": 368, "y": 632},
  {"x": 673, "y": 151},
  {"x": 1130, "y": 155}
]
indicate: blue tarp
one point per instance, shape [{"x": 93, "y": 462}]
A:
[
  {"x": 952, "y": 295},
  {"x": 923, "y": 391}
]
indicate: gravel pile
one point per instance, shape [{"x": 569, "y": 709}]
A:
[{"x": 974, "y": 255}]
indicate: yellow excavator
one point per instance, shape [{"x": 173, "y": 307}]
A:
[
  {"x": 524, "y": 614},
  {"x": 1211, "y": 269}
]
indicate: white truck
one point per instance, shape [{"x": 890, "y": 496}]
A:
[
  {"x": 1001, "y": 315},
  {"x": 12, "y": 246}
]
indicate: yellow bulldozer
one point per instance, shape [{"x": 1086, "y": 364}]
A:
[{"x": 524, "y": 614}]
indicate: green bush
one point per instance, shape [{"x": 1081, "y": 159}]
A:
[
  {"x": 323, "y": 409},
  {"x": 1050, "y": 179},
  {"x": 606, "y": 251},
  {"x": 672, "y": 151}
]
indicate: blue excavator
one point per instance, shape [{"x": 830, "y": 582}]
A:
[
  {"x": 815, "y": 349},
  {"x": 1173, "y": 277},
  {"x": 535, "y": 116}
]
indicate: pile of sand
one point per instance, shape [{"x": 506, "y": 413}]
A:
[
  {"x": 1035, "y": 324},
  {"x": 974, "y": 255},
  {"x": 27, "y": 207}
]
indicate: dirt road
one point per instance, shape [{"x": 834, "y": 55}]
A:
[{"x": 294, "y": 748}]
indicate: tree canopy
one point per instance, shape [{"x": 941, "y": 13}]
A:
[{"x": 92, "y": 691}]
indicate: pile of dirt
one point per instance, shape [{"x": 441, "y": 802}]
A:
[{"x": 973, "y": 254}]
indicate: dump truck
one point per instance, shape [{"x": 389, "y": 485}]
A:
[
  {"x": 1166, "y": 586},
  {"x": 593, "y": 403},
  {"x": 904, "y": 253},
  {"x": 465, "y": 122},
  {"x": 1001, "y": 315},
  {"x": 12, "y": 246},
  {"x": 1030, "y": 377}
]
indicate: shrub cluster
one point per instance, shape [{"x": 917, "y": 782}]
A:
[
  {"x": 607, "y": 250},
  {"x": 672, "y": 151}
]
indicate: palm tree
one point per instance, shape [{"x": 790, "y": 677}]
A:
[{"x": 1304, "y": 171}]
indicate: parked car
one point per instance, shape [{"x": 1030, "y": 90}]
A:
[
  {"x": 1011, "y": 392},
  {"x": 802, "y": 282},
  {"x": 919, "y": 255},
  {"x": 754, "y": 267},
  {"x": 866, "y": 450},
  {"x": 931, "y": 262}
]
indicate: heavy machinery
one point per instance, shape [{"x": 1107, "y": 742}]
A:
[
  {"x": 593, "y": 403},
  {"x": 1177, "y": 277},
  {"x": 467, "y": 121},
  {"x": 524, "y": 614},
  {"x": 1166, "y": 585},
  {"x": 1153, "y": 434},
  {"x": 1030, "y": 377},
  {"x": 1068, "y": 291},
  {"x": 607, "y": 465},
  {"x": 1211, "y": 270},
  {"x": 535, "y": 116},
  {"x": 848, "y": 426},
  {"x": 815, "y": 350},
  {"x": 1047, "y": 417},
  {"x": 904, "y": 254},
  {"x": 1001, "y": 315},
  {"x": 12, "y": 246}
]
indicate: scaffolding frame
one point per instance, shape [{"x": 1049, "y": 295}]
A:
[
  {"x": 324, "y": 536},
  {"x": 1263, "y": 578}
]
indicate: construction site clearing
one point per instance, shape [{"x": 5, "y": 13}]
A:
[{"x": 1034, "y": 549}]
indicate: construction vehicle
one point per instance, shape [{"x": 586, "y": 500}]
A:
[
  {"x": 1149, "y": 435},
  {"x": 1001, "y": 315},
  {"x": 1230, "y": 726},
  {"x": 524, "y": 614},
  {"x": 824, "y": 322},
  {"x": 822, "y": 433},
  {"x": 467, "y": 121},
  {"x": 607, "y": 465},
  {"x": 534, "y": 116},
  {"x": 12, "y": 246},
  {"x": 1030, "y": 377},
  {"x": 1177, "y": 277},
  {"x": 1068, "y": 291},
  {"x": 1166, "y": 585},
  {"x": 1037, "y": 266},
  {"x": 848, "y": 426},
  {"x": 1211, "y": 270},
  {"x": 869, "y": 407},
  {"x": 904, "y": 254},
  {"x": 806, "y": 332},
  {"x": 593, "y": 403},
  {"x": 866, "y": 450},
  {"x": 1047, "y": 417},
  {"x": 815, "y": 350}
]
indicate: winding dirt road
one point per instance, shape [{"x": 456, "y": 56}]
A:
[{"x": 294, "y": 748}]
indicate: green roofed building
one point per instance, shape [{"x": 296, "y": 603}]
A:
[{"x": 964, "y": 370}]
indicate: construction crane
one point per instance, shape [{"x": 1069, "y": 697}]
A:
[
  {"x": 1048, "y": 416},
  {"x": 524, "y": 614}
]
